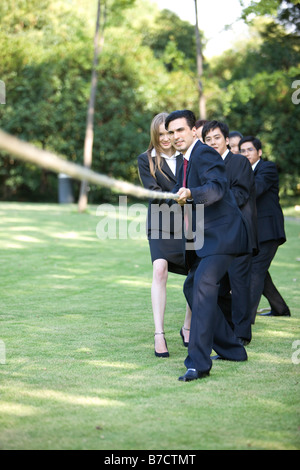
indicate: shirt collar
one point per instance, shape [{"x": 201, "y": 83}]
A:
[
  {"x": 189, "y": 150},
  {"x": 254, "y": 164},
  {"x": 153, "y": 154},
  {"x": 224, "y": 155}
]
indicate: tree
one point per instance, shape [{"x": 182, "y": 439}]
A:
[
  {"x": 202, "y": 105},
  {"x": 40, "y": 47},
  {"x": 287, "y": 12},
  {"x": 115, "y": 14},
  {"x": 45, "y": 63},
  {"x": 89, "y": 134},
  {"x": 147, "y": 65},
  {"x": 171, "y": 39},
  {"x": 256, "y": 94}
]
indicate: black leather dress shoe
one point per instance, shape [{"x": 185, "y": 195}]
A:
[
  {"x": 193, "y": 374},
  {"x": 273, "y": 314}
]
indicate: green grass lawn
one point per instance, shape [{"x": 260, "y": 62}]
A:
[{"x": 80, "y": 371}]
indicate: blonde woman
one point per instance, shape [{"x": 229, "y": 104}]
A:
[{"x": 158, "y": 170}]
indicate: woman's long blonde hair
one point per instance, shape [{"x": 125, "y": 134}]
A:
[{"x": 155, "y": 164}]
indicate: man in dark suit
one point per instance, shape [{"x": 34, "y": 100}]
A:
[
  {"x": 241, "y": 181},
  {"x": 270, "y": 221},
  {"x": 202, "y": 182}
]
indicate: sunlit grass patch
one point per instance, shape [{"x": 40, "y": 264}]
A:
[{"x": 80, "y": 370}]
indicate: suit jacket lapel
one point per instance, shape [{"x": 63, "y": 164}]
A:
[
  {"x": 190, "y": 160},
  {"x": 256, "y": 168},
  {"x": 228, "y": 157},
  {"x": 166, "y": 169},
  {"x": 179, "y": 161}
]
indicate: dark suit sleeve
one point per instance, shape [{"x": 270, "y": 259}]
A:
[
  {"x": 265, "y": 177},
  {"x": 178, "y": 185},
  {"x": 241, "y": 181},
  {"x": 148, "y": 181},
  {"x": 208, "y": 171}
]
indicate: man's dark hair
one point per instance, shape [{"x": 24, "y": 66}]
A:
[
  {"x": 181, "y": 113},
  {"x": 211, "y": 125},
  {"x": 200, "y": 123},
  {"x": 250, "y": 138},
  {"x": 235, "y": 134}
]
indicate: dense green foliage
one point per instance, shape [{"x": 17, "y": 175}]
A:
[{"x": 147, "y": 65}]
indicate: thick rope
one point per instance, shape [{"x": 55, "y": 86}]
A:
[{"x": 42, "y": 158}]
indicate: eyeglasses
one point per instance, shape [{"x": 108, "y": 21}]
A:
[{"x": 244, "y": 151}]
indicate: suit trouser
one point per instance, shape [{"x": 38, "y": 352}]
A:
[
  {"x": 276, "y": 301},
  {"x": 236, "y": 307},
  {"x": 260, "y": 266},
  {"x": 209, "y": 328}
]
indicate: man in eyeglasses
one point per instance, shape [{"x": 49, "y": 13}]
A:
[{"x": 270, "y": 227}]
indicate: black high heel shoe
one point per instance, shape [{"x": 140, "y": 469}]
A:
[
  {"x": 185, "y": 343},
  {"x": 165, "y": 354}
]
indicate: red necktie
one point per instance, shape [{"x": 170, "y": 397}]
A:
[{"x": 185, "y": 164}]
